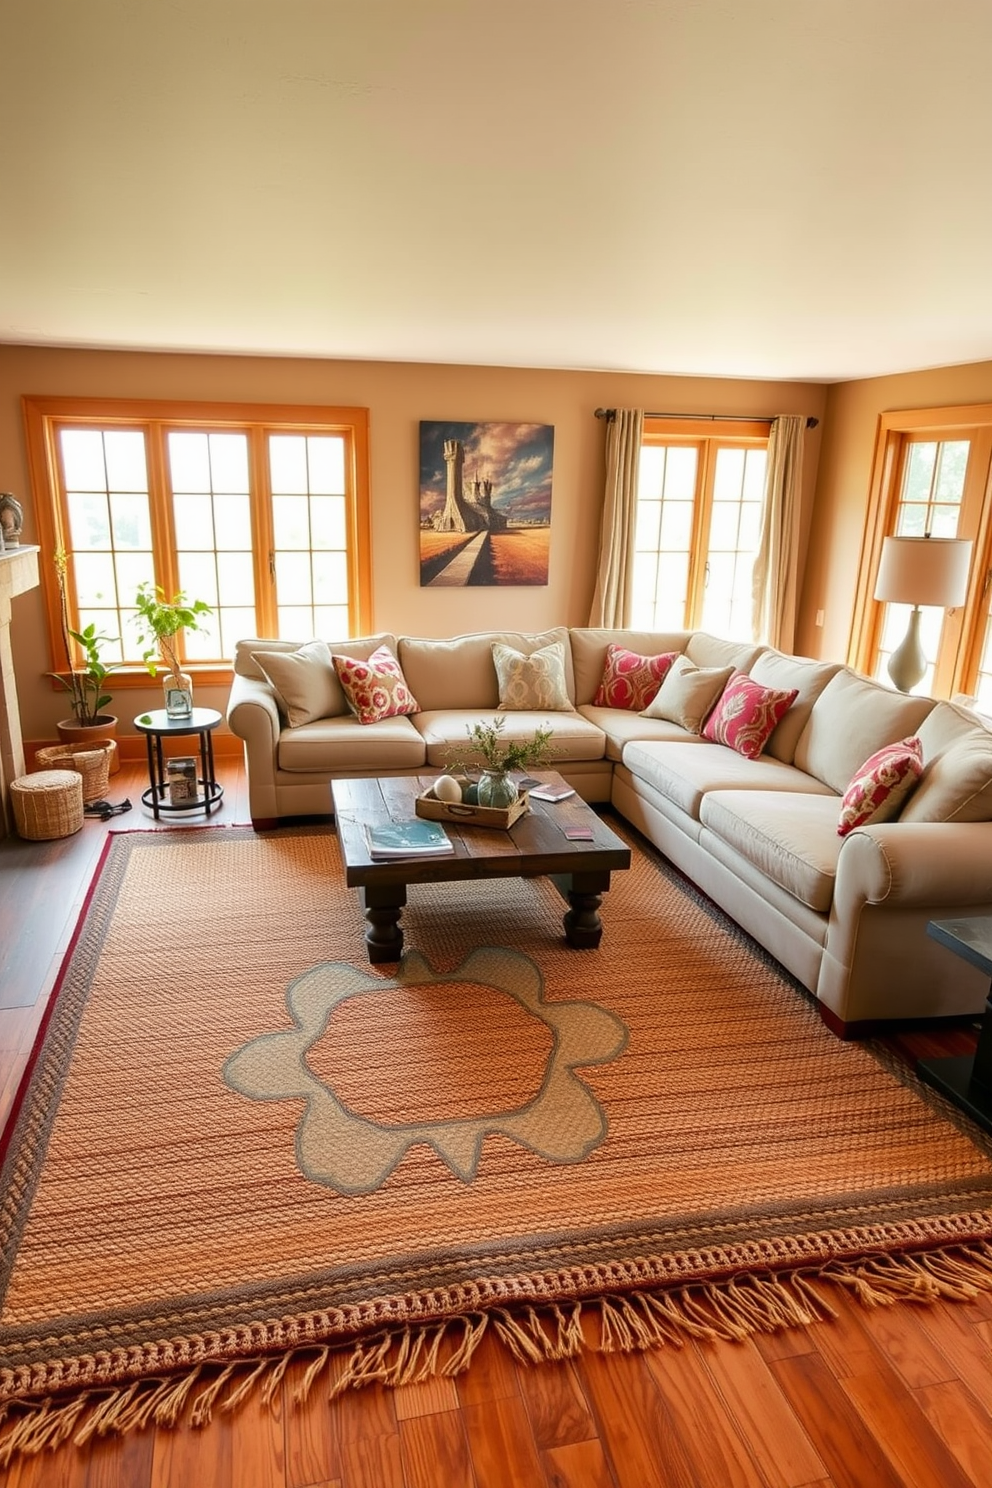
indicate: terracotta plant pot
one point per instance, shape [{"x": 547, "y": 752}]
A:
[{"x": 71, "y": 732}]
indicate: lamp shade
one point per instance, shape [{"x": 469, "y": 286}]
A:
[{"x": 924, "y": 571}]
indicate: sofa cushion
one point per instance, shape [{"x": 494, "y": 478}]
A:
[
  {"x": 304, "y": 682},
  {"x": 459, "y": 672},
  {"x": 532, "y": 682},
  {"x": 688, "y": 693},
  {"x": 789, "y": 837},
  {"x": 746, "y": 714},
  {"x": 361, "y": 646},
  {"x": 809, "y": 678},
  {"x": 621, "y": 727},
  {"x": 851, "y": 718},
  {"x": 685, "y": 771},
  {"x": 336, "y": 745},
  {"x": 713, "y": 651},
  {"x": 957, "y": 785},
  {"x": 631, "y": 680},
  {"x": 445, "y": 731},
  {"x": 375, "y": 688},
  {"x": 881, "y": 785},
  {"x": 589, "y": 645}
]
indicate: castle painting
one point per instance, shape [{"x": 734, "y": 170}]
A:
[{"x": 485, "y": 503}]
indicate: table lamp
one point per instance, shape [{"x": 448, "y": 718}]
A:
[{"x": 920, "y": 571}]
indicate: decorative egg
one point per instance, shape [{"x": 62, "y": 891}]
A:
[
  {"x": 446, "y": 788},
  {"x": 471, "y": 795}
]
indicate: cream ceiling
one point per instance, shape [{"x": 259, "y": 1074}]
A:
[{"x": 766, "y": 188}]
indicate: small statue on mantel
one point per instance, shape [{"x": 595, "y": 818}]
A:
[{"x": 11, "y": 520}]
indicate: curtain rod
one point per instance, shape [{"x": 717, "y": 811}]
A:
[{"x": 713, "y": 418}]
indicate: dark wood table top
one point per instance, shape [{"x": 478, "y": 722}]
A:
[{"x": 536, "y": 844}]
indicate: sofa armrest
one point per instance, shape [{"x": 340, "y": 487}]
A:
[
  {"x": 916, "y": 864},
  {"x": 252, "y": 714}
]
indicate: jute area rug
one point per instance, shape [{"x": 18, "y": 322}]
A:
[{"x": 240, "y": 1144}]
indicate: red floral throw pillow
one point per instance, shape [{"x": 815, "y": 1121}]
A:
[
  {"x": 376, "y": 688},
  {"x": 631, "y": 681},
  {"x": 881, "y": 785},
  {"x": 746, "y": 714}
]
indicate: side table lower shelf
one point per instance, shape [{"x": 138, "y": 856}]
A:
[
  {"x": 211, "y": 797},
  {"x": 966, "y": 1079}
]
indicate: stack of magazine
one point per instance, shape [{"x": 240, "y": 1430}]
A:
[{"x": 415, "y": 838}]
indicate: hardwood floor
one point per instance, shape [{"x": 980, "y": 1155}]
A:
[{"x": 896, "y": 1396}]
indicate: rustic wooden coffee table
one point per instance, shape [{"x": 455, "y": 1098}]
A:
[{"x": 534, "y": 845}]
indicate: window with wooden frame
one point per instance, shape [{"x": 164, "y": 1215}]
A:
[
  {"x": 699, "y": 501},
  {"x": 261, "y": 510},
  {"x": 932, "y": 475}
]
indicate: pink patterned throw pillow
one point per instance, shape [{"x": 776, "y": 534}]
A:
[
  {"x": 376, "y": 688},
  {"x": 881, "y": 785},
  {"x": 631, "y": 681},
  {"x": 746, "y": 715}
]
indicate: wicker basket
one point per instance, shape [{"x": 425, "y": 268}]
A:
[
  {"x": 91, "y": 761},
  {"x": 47, "y": 804}
]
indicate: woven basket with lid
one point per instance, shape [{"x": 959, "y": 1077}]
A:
[
  {"x": 91, "y": 761},
  {"x": 47, "y": 804}
]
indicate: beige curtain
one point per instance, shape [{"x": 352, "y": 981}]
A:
[
  {"x": 614, "y": 578},
  {"x": 775, "y": 577}
]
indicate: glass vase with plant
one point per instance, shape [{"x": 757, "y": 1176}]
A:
[
  {"x": 158, "y": 623},
  {"x": 500, "y": 756},
  {"x": 85, "y": 684}
]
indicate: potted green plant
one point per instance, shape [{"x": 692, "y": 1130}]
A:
[
  {"x": 159, "y": 621},
  {"x": 500, "y": 756},
  {"x": 85, "y": 685}
]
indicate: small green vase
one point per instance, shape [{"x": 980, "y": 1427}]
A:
[{"x": 496, "y": 789}]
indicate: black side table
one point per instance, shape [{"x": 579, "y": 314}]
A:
[
  {"x": 966, "y": 1079},
  {"x": 157, "y": 726}
]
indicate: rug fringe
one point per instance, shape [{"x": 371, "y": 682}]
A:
[{"x": 621, "y": 1322}]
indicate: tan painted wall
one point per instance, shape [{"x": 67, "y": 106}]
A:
[
  {"x": 398, "y": 396},
  {"x": 849, "y": 432}
]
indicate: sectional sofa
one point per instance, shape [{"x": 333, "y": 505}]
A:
[{"x": 846, "y": 915}]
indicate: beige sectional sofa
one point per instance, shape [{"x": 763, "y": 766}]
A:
[{"x": 847, "y": 916}]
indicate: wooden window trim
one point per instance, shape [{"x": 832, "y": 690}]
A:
[
  {"x": 42, "y": 416},
  {"x": 706, "y": 439},
  {"x": 887, "y": 459}
]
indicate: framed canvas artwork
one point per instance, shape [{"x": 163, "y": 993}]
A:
[{"x": 485, "y": 503}]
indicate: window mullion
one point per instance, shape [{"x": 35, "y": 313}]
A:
[
  {"x": 163, "y": 524},
  {"x": 263, "y": 542}
]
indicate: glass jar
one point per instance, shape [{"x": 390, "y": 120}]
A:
[
  {"x": 178, "y": 688},
  {"x": 496, "y": 789}
]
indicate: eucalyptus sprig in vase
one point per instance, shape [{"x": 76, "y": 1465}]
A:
[
  {"x": 500, "y": 756},
  {"x": 159, "y": 621}
]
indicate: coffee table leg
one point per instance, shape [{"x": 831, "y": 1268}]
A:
[
  {"x": 584, "y": 892},
  {"x": 383, "y": 907}
]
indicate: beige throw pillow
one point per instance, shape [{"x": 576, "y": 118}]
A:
[
  {"x": 956, "y": 786},
  {"x": 304, "y": 682},
  {"x": 532, "y": 682},
  {"x": 688, "y": 694}
]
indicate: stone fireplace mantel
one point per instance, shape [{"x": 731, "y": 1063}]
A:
[{"x": 18, "y": 572}]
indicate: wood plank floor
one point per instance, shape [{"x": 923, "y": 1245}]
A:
[{"x": 896, "y": 1396}]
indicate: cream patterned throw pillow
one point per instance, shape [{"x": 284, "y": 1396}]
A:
[{"x": 534, "y": 681}]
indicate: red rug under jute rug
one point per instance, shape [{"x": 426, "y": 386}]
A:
[{"x": 239, "y": 1144}]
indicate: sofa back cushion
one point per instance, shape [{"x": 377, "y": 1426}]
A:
[
  {"x": 957, "y": 778},
  {"x": 589, "y": 645},
  {"x": 712, "y": 651},
  {"x": 851, "y": 719},
  {"x": 360, "y": 647},
  {"x": 785, "y": 673},
  {"x": 460, "y": 673}
]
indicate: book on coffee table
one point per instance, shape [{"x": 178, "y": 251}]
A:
[
  {"x": 408, "y": 839},
  {"x": 552, "y": 792}
]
